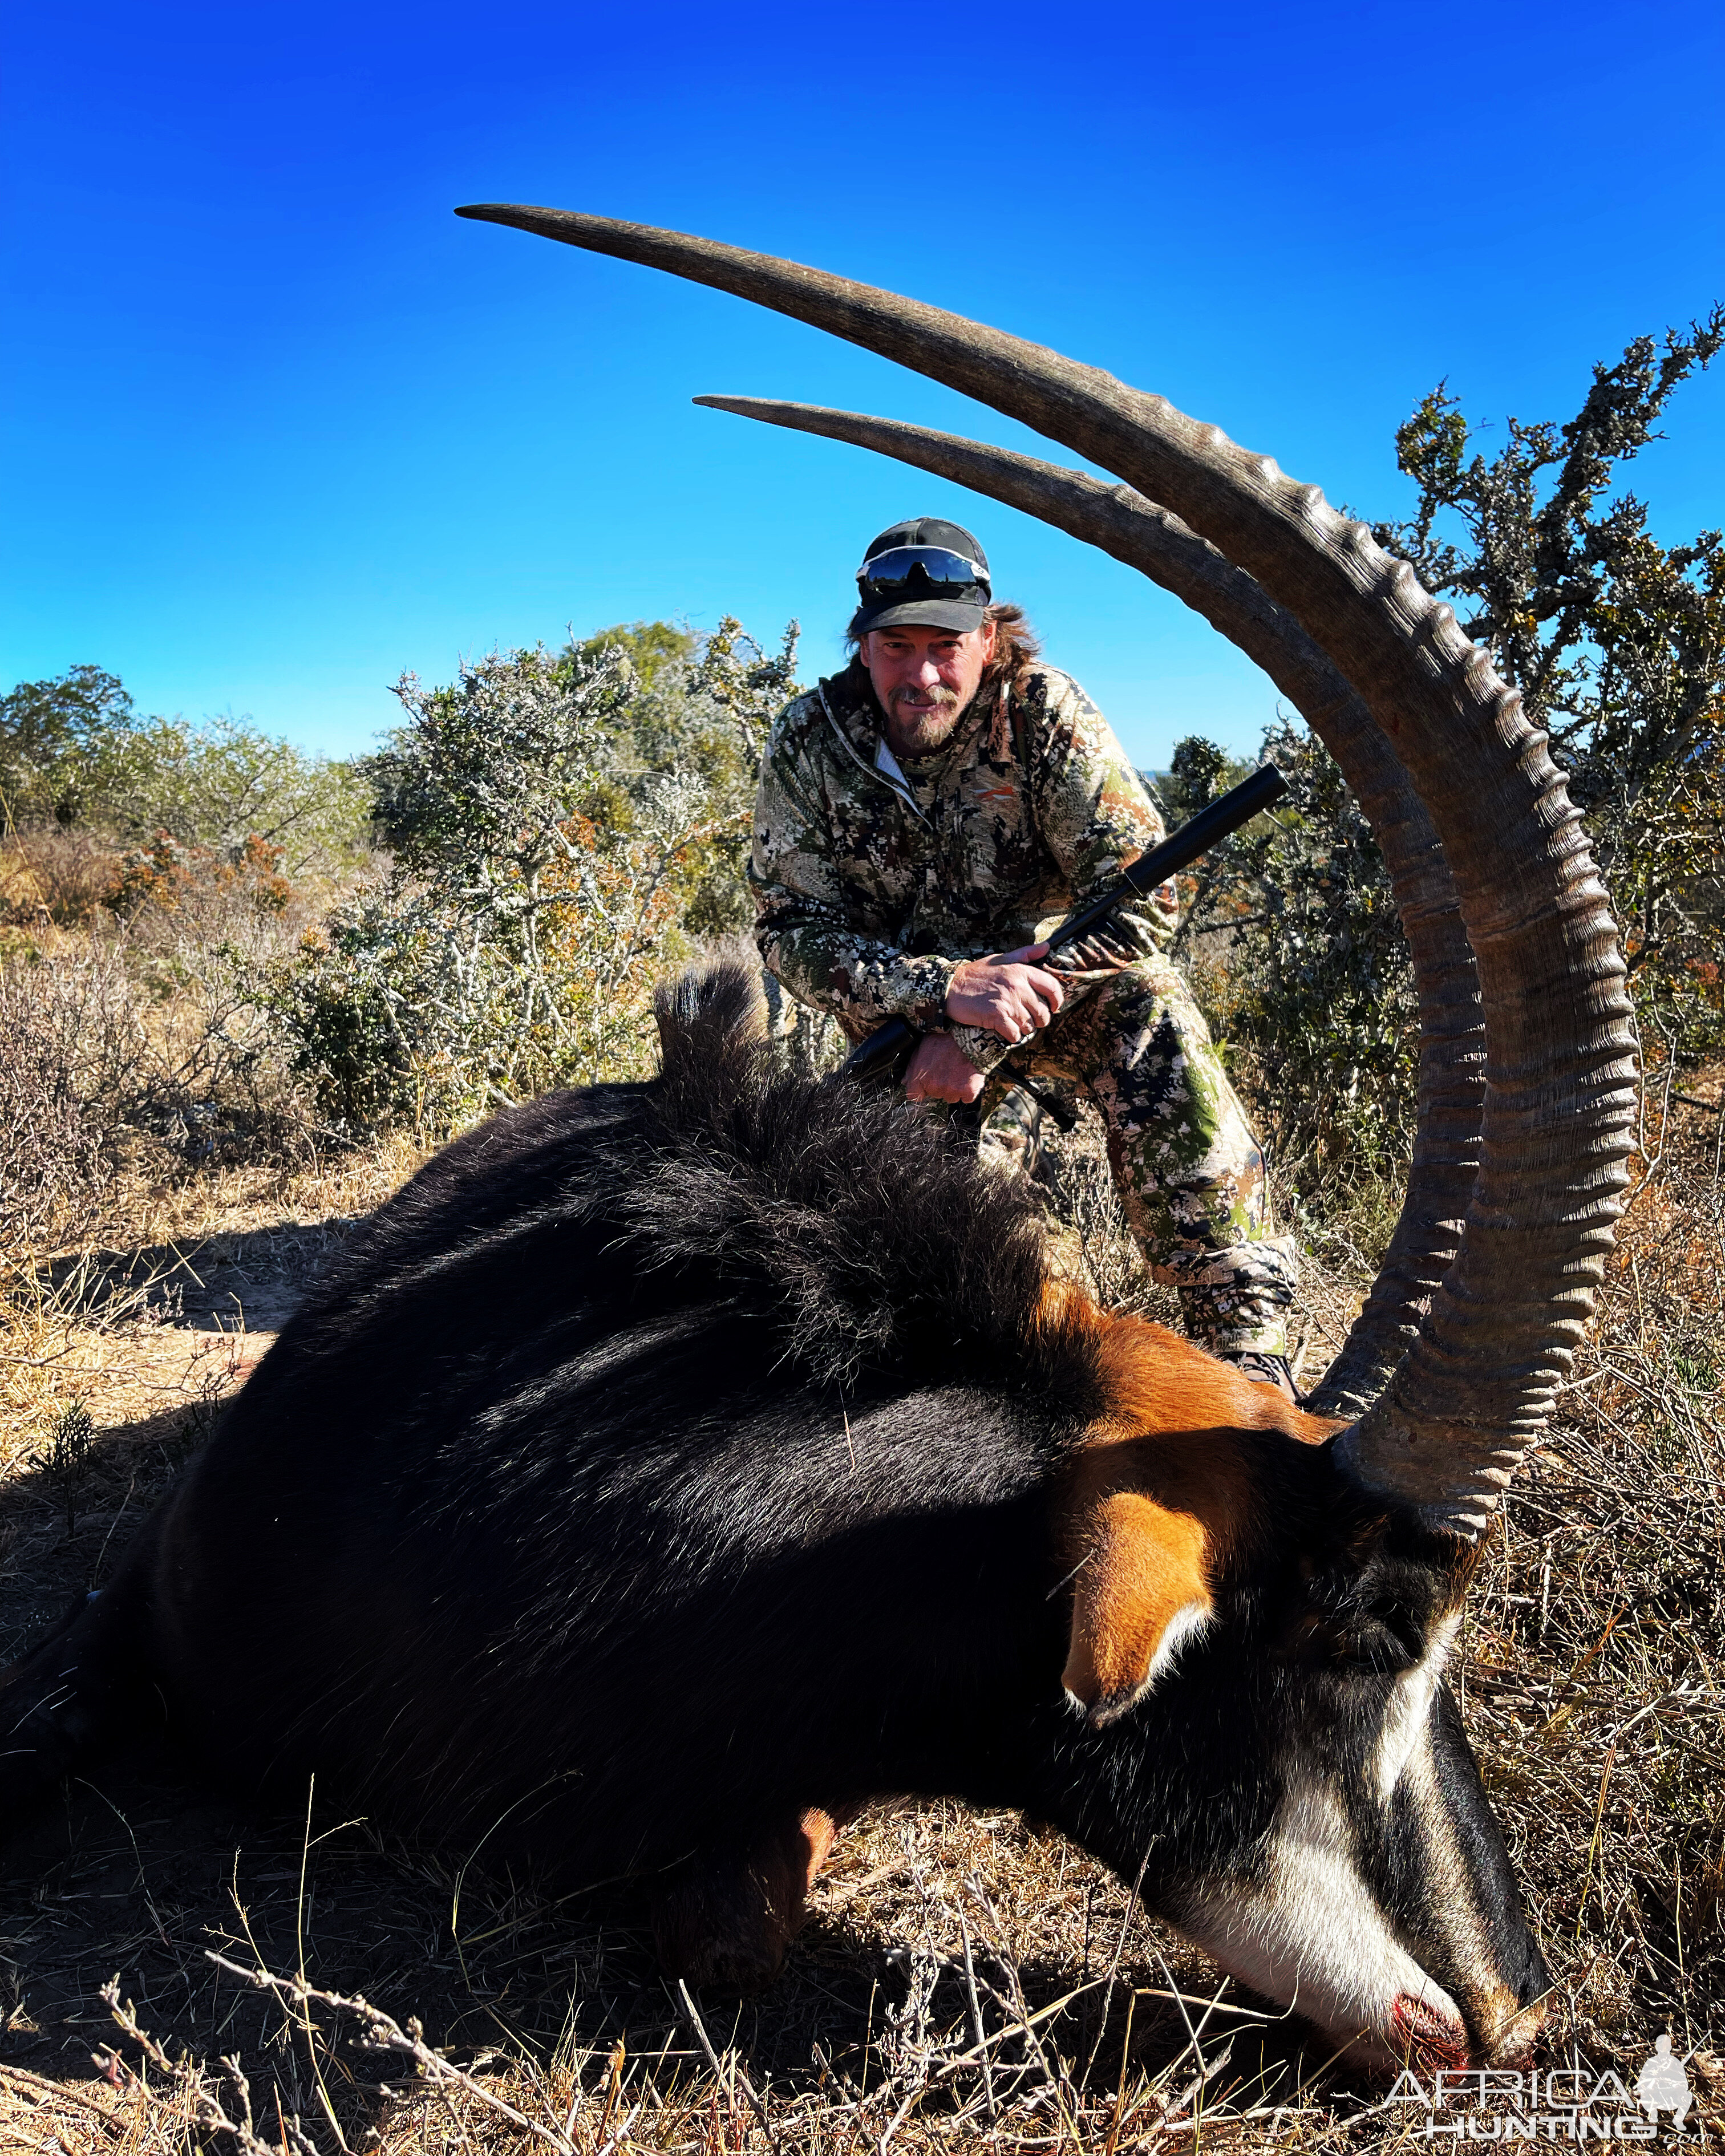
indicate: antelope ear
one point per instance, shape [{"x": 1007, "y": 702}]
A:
[{"x": 1141, "y": 1593}]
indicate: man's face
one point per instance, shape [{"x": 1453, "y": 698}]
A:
[{"x": 924, "y": 679}]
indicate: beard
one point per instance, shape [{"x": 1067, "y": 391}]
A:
[{"x": 926, "y": 725}]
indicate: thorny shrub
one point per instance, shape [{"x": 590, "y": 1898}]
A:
[
  {"x": 171, "y": 876},
  {"x": 1290, "y": 934},
  {"x": 151, "y": 1041},
  {"x": 56, "y": 1146},
  {"x": 51, "y": 878},
  {"x": 559, "y": 831},
  {"x": 701, "y": 704},
  {"x": 1616, "y": 642}
]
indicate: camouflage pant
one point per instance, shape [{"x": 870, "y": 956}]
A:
[{"x": 1188, "y": 1171}]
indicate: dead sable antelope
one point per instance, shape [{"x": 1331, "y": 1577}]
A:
[{"x": 669, "y": 1468}]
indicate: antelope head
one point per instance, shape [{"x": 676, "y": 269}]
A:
[{"x": 1343, "y": 1859}]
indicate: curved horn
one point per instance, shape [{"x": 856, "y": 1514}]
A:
[
  {"x": 1120, "y": 521},
  {"x": 1474, "y": 1390}
]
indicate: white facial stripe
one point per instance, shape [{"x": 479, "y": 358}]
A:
[
  {"x": 1312, "y": 1935},
  {"x": 1410, "y": 1713}
]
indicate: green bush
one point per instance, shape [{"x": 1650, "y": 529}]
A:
[
  {"x": 560, "y": 826},
  {"x": 701, "y": 707},
  {"x": 1618, "y": 647}
]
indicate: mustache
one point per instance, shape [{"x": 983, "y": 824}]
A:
[{"x": 930, "y": 700}]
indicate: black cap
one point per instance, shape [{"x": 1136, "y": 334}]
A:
[{"x": 960, "y": 611}]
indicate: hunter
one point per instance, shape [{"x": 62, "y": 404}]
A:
[{"x": 924, "y": 816}]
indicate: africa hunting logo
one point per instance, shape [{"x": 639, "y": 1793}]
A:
[{"x": 1562, "y": 2103}]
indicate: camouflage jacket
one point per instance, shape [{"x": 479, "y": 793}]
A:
[{"x": 872, "y": 883}]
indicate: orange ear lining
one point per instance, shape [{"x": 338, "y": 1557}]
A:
[
  {"x": 1141, "y": 1592},
  {"x": 1162, "y": 1493}
]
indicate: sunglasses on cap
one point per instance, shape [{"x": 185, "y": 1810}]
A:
[{"x": 944, "y": 574}]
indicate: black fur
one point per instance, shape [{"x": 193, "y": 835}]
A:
[
  {"x": 664, "y": 1459},
  {"x": 642, "y": 1422}
]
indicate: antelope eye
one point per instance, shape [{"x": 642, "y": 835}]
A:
[
  {"x": 1408, "y": 1628},
  {"x": 1383, "y": 1635}
]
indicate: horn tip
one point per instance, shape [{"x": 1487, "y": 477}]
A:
[{"x": 530, "y": 217}]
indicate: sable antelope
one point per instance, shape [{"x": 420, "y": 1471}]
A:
[{"x": 668, "y": 1470}]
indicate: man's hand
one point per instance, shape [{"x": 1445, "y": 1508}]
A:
[
  {"x": 1009, "y": 993},
  {"x": 940, "y": 1070}
]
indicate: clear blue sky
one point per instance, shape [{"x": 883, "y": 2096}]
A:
[{"x": 279, "y": 426}]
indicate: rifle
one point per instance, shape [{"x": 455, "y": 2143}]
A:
[{"x": 882, "y": 1057}]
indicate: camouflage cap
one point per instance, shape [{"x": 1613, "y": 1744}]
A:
[{"x": 947, "y": 605}]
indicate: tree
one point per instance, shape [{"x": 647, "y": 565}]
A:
[
  {"x": 50, "y": 733},
  {"x": 1616, "y": 642},
  {"x": 75, "y": 752},
  {"x": 561, "y": 824},
  {"x": 519, "y": 904}
]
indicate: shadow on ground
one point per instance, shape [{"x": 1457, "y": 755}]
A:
[
  {"x": 251, "y": 1279},
  {"x": 135, "y": 1875},
  {"x": 138, "y": 1872}
]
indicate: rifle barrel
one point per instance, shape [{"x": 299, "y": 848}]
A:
[{"x": 1207, "y": 828}]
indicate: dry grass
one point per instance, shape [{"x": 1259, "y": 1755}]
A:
[
  {"x": 964, "y": 1980},
  {"x": 50, "y": 877}
]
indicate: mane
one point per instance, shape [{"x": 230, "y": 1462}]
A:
[{"x": 868, "y": 1233}]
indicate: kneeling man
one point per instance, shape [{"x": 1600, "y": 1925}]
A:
[{"x": 924, "y": 816}]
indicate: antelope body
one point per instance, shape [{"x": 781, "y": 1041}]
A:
[{"x": 670, "y": 1469}]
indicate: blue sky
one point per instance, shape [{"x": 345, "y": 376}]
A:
[{"x": 278, "y": 426}]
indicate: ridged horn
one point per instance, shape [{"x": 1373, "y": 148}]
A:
[
  {"x": 1120, "y": 521},
  {"x": 1475, "y": 1388}
]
